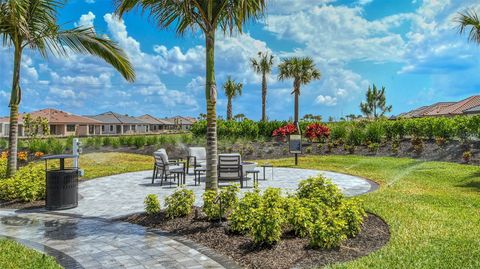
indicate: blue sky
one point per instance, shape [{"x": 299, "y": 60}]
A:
[{"x": 411, "y": 47}]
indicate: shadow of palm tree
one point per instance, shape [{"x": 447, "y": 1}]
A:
[{"x": 474, "y": 182}]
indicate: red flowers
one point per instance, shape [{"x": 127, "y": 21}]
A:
[
  {"x": 317, "y": 131},
  {"x": 285, "y": 130}
]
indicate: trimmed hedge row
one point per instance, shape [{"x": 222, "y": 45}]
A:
[{"x": 461, "y": 127}]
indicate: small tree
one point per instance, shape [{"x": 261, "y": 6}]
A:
[
  {"x": 312, "y": 118},
  {"x": 35, "y": 126},
  {"x": 375, "y": 105},
  {"x": 232, "y": 90},
  {"x": 240, "y": 117}
]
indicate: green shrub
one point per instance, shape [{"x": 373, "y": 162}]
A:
[
  {"x": 269, "y": 219},
  {"x": 3, "y": 168},
  {"x": 115, "y": 143},
  {"x": 124, "y": 141},
  {"x": 327, "y": 232},
  {"x": 56, "y": 146},
  {"x": 353, "y": 213},
  {"x": 355, "y": 136},
  {"x": 374, "y": 133},
  {"x": 139, "y": 141},
  {"x": 3, "y": 144},
  {"x": 320, "y": 190},
  {"x": 240, "y": 220},
  {"x": 217, "y": 205},
  {"x": 299, "y": 216},
  {"x": 107, "y": 141},
  {"x": 97, "y": 142},
  {"x": 338, "y": 132},
  {"x": 180, "y": 203},
  {"x": 152, "y": 205},
  {"x": 27, "y": 185},
  {"x": 151, "y": 140}
]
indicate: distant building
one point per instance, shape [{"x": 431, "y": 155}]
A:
[
  {"x": 155, "y": 124},
  {"x": 182, "y": 123},
  {"x": 61, "y": 123},
  {"x": 469, "y": 106},
  {"x": 115, "y": 124}
]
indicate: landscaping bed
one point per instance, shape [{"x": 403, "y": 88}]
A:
[{"x": 290, "y": 252}]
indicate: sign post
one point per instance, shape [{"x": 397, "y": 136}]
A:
[{"x": 295, "y": 145}]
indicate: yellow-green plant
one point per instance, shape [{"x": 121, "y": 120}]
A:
[
  {"x": 152, "y": 205},
  {"x": 180, "y": 203}
]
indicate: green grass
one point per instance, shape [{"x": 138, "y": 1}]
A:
[
  {"x": 433, "y": 209},
  {"x": 106, "y": 164},
  {"x": 14, "y": 255}
]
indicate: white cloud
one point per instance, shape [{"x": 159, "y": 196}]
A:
[
  {"x": 86, "y": 20},
  {"x": 89, "y": 1},
  {"x": 326, "y": 100}
]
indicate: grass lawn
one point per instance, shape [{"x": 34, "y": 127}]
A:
[
  {"x": 433, "y": 209},
  {"x": 14, "y": 255},
  {"x": 112, "y": 163}
]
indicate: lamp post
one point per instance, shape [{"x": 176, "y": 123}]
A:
[{"x": 295, "y": 142}]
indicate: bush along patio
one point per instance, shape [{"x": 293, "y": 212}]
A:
[{"x": 271, "y": 229}]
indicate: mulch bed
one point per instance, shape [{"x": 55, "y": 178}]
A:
[
  {"x": 290, "y": 252},
  {"x": 22, "y": 205}
]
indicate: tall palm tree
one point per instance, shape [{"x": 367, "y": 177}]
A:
[
  {"x": 32, "y": 24},
  {"x": 206, "y": 15},
  {"x": 467, "y": 19},
  {"x": 263, "y": 66},
  {"x": 302, "y": 71},
  {"x": 232, "y": 90}
]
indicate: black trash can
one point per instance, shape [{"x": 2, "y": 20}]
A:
[{"x": 61, "y": 184}]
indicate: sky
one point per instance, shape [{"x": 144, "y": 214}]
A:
[{"x": 412, "y": 47}]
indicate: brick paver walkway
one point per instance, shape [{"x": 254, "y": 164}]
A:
[{"x": 88, "y": 237}]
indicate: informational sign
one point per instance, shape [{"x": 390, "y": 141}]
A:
[{"x": 295, "y": 144}]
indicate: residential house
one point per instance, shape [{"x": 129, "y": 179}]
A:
[
  {"x": 114, "y": 124},
  {"x": 468, "y": 106},
  {"x": 182, "y": 123},
  {"x": 156, "y": 125},
  {"x": 61, "y": 123}
]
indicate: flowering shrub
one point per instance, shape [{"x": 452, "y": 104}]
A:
[
  {"x": 22, "y": 156},
  {"x": 285, "y": 130},
  {"x": 27, "y": 185},
  {"x": 4, "y": 155},
  {"x": 317, "y": 131},
  {"x": 38, "y": 154}
]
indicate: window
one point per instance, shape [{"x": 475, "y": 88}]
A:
[
  {"x": 103, "y": 128},
  {"x": 133, "y": 128},
  {"x": 91, "y": 129},
  {"x": 70, "y": 128},
  {"x": 111, "y": 128}
]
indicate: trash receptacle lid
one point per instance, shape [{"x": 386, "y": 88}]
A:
[{"x": 62, "y": 156}]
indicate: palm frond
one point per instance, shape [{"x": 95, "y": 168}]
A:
[
  {"x": 469, "y": 19},
  {"x": 85, "y": 41}
]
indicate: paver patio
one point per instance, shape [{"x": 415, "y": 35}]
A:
[{"x": 92, "y": 239}]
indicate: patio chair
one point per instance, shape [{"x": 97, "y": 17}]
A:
[
  {"x": 167, "y": 168},
  {"x": 197, "y": 157},
  {"x": 230, "y": 168}
]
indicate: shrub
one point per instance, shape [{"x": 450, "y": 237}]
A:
[
  {"x": 320, "y": 190},
  {"x": 56, "y": 146},
  {"x": 115, "y": 143},
  {"x": 317, "y": 132},
  {"x": 269, "y": 218},
  {"x": 3, "y": 144},
  {"x": 27, "y": 185},
  {"x": 240, "y": 220},
  {"x": 217, "y": 205},
  {"x": 152, "y": 205},
  {"x": 374, "y": 133},
  {"x": 338, "y": 132},
  {"x": 180, "y": 203},
  {"x": 285, "y": 130},
  {"x": 355, "y": 136},
  {"x": 327, "y": 232},
  {"x": 107, "y": 141},
  {"x": 373, "y": 147},
  {"x": 3, "y": 168},
  {"x": 353, "y": 213},
  {"x": 299, "y": 216},
  {"x": 151, "y": 140},
  {"x": 97, "y": 142},
  {"x": 467, "y": 155},
  {"x": 139, "y": 141}
]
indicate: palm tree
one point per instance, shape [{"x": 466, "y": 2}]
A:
[
  {"x": 302, "y": 70},
  {"x": 232, "y": 90},
  {"x": 32, "y": 24},
  {"x": 467, "y": 19},
  {"x": 206, "y": 15},
  {"x": 263, "y": 66}
]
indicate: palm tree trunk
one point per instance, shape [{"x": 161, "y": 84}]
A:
[
  {"x": 211, "y": 94},
  {"x": 264, "y": 97},
  {"x": 14, "y": 102},
  {"x": 297, "y": 93},
  {"x": 229, "y": 109}
]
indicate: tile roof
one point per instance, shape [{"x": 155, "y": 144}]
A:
[
  {"x": 185, "y": 120},
  {"x": 152, "y": 120},
  {"x": 55, "y": 116},
  {"x": 473, "y": 110},
  {"x": 456, "y": 108},
  {"x": 115, "y": 118},
  {"x": 424, "y": 110}
]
